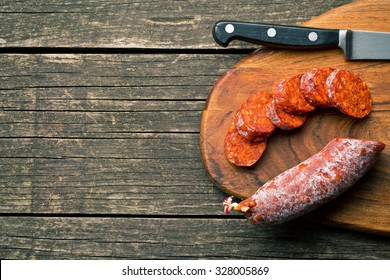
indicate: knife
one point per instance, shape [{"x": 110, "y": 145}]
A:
[{"x": 356, "y": 44}]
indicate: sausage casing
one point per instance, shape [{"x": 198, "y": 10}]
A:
[{"x": 315, "y": 181}]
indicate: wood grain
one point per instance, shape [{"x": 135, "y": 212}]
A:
[
  {"x": 148, "y": 24},
  {"x": 170, "y": 238},
  {"x": 366, "y": 206},
  {"x": 105, "y": 133}
]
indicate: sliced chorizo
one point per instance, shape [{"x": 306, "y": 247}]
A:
[
  {"x": 348, "y": 93},
  {"x": 313, "y": 86},
  {"x": 241, "y": 151},
  {"x": 284, "y": 120},
  {"x": 315, "y": 181},
  {"x": 288, "y": 96},
  {"x": 251, "y": 119}
]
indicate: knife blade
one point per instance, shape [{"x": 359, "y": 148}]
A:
[{"x": 356, "y": 44}]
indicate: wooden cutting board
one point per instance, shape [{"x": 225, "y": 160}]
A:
[{"x": 366, "y": 206}]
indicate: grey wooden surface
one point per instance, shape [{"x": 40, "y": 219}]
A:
[{"x": 100, "y": 110}]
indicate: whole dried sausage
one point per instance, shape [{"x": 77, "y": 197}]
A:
[
  {"x": 312, "y": 183},
  {"x": 241, "y": 151},
  {"x": 251, "y": 119},
  {"x": 348, "y": 93},
  {"x": 315, "y": 181},
  {"x": 288, "y": 96}
]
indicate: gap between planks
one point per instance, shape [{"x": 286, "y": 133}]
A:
[
  {"x": 121, "y": 216},
  {"x": 65, "y": 50}
]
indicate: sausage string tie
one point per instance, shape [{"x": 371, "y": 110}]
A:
[{"x": 229, "y": 203}]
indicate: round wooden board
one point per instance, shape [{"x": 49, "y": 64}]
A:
[{"x": 366, "y": 206}]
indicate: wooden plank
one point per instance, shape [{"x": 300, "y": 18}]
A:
[
  {"x": 162, "y": 174},
  {"x": 144, "y": 74},
  {"x": 87, "y": 96},
  {"x": 96, "y": 125},
  {"x": 105, "y": 134},
  {"x": 169, "y": 238},
  {"x": 148, "y": 24}
]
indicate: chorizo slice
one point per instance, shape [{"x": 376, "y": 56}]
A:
[
  {"x": 313, "y": 87},
  {"x": 315, "y": 181},
  {"x": 348, "y": 93},
  {"x": 288, "y": 96},
  {"x": 284, "y": 120},
  {"x": 251, "y": 119},
  {"x": 241, "y": 151}
]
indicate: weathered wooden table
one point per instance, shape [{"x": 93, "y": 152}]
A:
[{"x": 101, "y": 104}]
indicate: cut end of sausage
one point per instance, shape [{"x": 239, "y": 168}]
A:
[
  {"x": 288, "y": 96},
  {"x": 313, "y": 87},
  {"x": 241, "y": 151},
  {"x": 251, "y": 119},
  {"x": 284, "y": 120},
  {"x": 348, "y": 93}
]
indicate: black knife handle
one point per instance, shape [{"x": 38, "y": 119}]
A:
[{"x": 274, "y": 35}]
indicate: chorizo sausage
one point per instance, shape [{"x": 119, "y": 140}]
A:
[
  {"x": 348, "y": 93},
  {"x": 312, "y": 183},
  {"x": 288, "y": 96},
  {"x": 313, "y": 86},
  {"x": 251, "y": 119},
  {"x": 241, "y": 151},
  {"x": 284, "y": 120}
]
